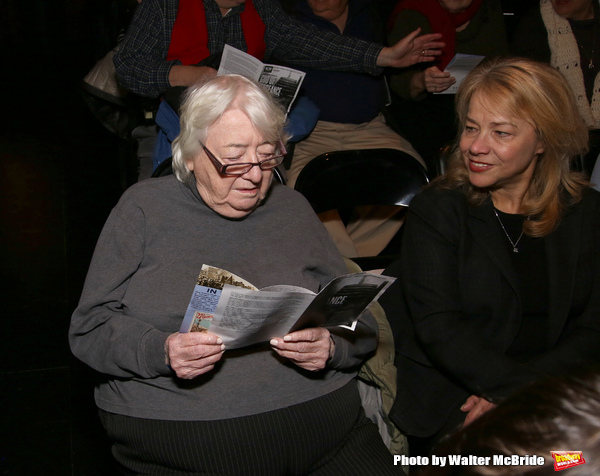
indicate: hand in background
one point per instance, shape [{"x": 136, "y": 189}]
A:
[
  {"x": 432, "y": 80},
  {"x": 437, "y": 81},
  {"x": 411, "y": 49}
]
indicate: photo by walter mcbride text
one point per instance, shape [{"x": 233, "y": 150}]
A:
[{"x": 470, "y": 460}]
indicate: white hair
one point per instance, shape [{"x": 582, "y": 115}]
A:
[{"x": 205, "y": 103}]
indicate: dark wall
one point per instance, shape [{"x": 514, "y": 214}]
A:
[{"x": 58, "y": 181}]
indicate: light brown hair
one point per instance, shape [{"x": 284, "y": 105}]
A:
[{"x": 536, "y": 93}]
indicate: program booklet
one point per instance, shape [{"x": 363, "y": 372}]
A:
[
  {"x": 460, "y": 66},
  {"x": 242, "y": 315},
  {"x": 282, "y": 82}
]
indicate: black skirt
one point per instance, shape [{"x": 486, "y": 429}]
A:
[{"x": 329, "y": 435}]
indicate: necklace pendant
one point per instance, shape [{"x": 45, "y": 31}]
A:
[
  {"x": 512, "y": 243},
  {"x": 591, "y": 65}
]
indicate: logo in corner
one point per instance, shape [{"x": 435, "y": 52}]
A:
[{"x": 567, "y": 459}]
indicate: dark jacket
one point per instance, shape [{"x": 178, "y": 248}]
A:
[{"x": 456, "y": 308}]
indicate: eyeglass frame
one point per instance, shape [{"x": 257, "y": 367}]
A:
[{"x": 222, "y": 168}]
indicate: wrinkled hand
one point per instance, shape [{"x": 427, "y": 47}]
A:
[
  {"x": 309, "y": 348},
  {"x": 436, "y": 81},
  {"x": 411, "y": 49},
  {"x": 475, "y": 407},
  {"x": 193, "y": 353}
]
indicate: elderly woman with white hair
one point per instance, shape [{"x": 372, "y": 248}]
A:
[{"x": 181, "y": 403}]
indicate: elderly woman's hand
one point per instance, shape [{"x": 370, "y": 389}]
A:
[
  {"x": 193, "y": 353},
  {"x": 309, "y": 348}
]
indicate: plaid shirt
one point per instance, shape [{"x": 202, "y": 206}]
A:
[{"x": 143, "y": 68}]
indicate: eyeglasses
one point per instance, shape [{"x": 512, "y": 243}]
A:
[{"x": 243, "y": 168}]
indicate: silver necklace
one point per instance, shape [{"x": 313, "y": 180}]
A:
[
  {"x": 514, "y": 244},
  {"x": 591, "y": 56}
]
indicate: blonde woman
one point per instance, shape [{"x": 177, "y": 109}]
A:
[{"x": 499, "y": 281}]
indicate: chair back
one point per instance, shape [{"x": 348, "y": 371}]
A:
[
  {"x": 164, "y": 168},
  {"x": 346, "y": 179}
]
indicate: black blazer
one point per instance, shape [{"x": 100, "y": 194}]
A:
[{"x": 456, "y": 309}]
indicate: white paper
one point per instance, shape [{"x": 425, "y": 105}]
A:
[
  {"x": 460, "y": 66},
  {"x": 235, "y": 310},
  {"x": 244, "y": 317},
  {"x": 282, "y": 82}
]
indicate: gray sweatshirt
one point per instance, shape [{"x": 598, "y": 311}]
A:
[{"x": 142, "y": 276}]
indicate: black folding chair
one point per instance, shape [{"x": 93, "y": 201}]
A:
[{"x": 343, "y": 180}]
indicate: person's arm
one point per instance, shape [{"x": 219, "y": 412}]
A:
[
  {"x": 140, "y": 60},
  {"x": 102, "y": 334},
  {"x": 305, "y": 45},
  {"x": 352, "y": 348},
  {"x": 106, "y": 337},
  {"x": 412, "y": 49}
]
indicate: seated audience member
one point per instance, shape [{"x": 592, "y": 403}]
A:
[
  {"x": 181, "y": 403},
  {"x": 350, "y": 117},
  {"x": 567, "y": 35},
  {"x": 166, "y": 39},
  {"x": 554, "y": 414},
  {"x": 178, "y": 42},
  {"x": 350, "y": 103},
  {"x": 499, "y": 275},
  {"x": 467, "y": 26}
]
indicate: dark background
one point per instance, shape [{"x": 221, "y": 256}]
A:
[{"x": 61, "y": 172}]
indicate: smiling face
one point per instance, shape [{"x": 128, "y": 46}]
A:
[
  {"x": 499, "y": 152},
  {"x": 232, "y": 138},
  {"x": 574, "y": 9}
]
